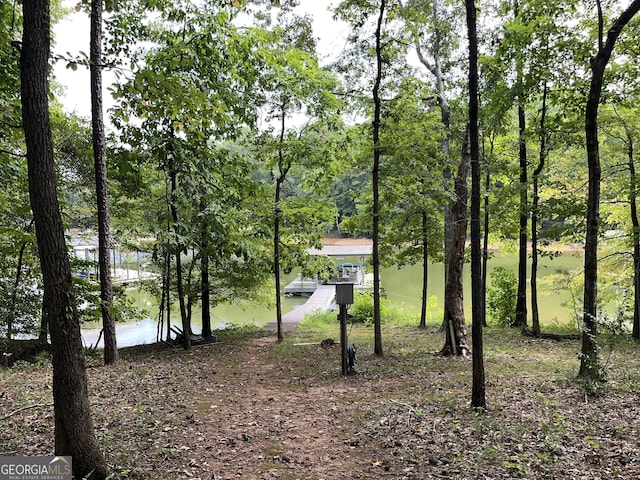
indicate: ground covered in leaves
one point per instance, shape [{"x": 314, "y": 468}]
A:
[{"x": 252, "y": 408}]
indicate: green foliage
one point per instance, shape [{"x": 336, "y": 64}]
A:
[
  {"x": 501, "y": 296},
  {"x": 362, "y": 309}
]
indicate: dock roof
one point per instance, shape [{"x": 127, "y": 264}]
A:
[{"x": 343, "y": 250}]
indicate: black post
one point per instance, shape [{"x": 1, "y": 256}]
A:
[
  {"x": 344, "y": 298},
  {"x": 343, "y": 338}
]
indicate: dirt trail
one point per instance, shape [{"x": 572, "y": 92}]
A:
[{"x": 265, "y": 425}]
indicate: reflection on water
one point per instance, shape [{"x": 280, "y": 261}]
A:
[{"x": 145, "y": 331}]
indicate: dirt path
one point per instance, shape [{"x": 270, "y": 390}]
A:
[{"x": 262, "y": 424}]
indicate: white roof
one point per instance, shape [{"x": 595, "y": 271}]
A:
[{"x": 342, "y": 250}]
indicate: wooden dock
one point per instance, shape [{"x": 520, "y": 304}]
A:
[{"x": 321, "y": 299}]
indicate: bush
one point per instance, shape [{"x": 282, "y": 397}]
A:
[
  {"x": 501, "y": 296},
  {"x": 362, "y": 309}
]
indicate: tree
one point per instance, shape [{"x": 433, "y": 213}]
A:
[
  {"x": 102, "y": 189},
  {"x": 589, "y": 358},
  {"x": 377, "y": 321},
  {"x": 478, "y": 399},
  {"x": 521, "y": 297},
  {"x": 74, "y": 434},
  {"x": 455, "y": 331},
  {"x": 435, "y": 41}
]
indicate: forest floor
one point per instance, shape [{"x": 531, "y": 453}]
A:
[{"x": 253, "y": 408}]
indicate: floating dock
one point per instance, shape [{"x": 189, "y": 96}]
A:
[{"x": 321, "y": 300}]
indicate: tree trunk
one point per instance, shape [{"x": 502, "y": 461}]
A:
[
  {"x": 425, "y": 271},
  {"x": 589, "y": 361},
  {"x": 283, "y": 170},
  {"x": 204, "y": 279},
  {"x": 633, "y": 206},
  {"x": 173, "y": 178},
  {"x": 478, "y": 311},
  {"x": 521, "y": 297},
  {"x": 455, "y": 330},
  {"x": 375, "y": 186},
  {"x": 16, "y": 285},
  {"x": 535, "y": 322},
  {"x": 102, "y": 190},
  {"x": 74, "y": 434},
  {"x": 435, "y": 69}
]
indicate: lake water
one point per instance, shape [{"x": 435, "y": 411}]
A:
[{"x": 402, "y": 287}]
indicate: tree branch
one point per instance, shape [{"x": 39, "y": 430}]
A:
[{"x": 28, "y": 407}]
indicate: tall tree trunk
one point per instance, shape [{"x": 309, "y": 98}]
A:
[
  {"x": 375, "y": 186},
  {"x": 74, "y": 434},
  {"x": 633, "y": 206},
  {"x": 173, "y": 179},
  {"x": 425, "y": 270},
  {"x": 204, "y": 278},
  {"x": 535, "y": 321},
  {"x": 102, "y": 189},
  {"x": 16, "y": 284},
  {"x": 478, "y": 399},
  {"x": 521, "y": 297},
  {"x": 455, "y": 330},
  {"x": 589, "y": 361},
  {"x": 283, "y": 170},
  {"x": 435, "y": 69},
  {"x": 636, "y": 242}
]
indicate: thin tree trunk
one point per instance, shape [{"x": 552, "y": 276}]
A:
[
  {"x": 167, "y": 266},
  {"x": 204, "y": 279},
  {"x": 478, "y": 399},
  {"x": 16, "y": 285},
  {"x": 173, "y": 178},
  {"x": 74, "y": 434},
  {"x": 283, "y": 170},
  {"x": 633, "y": 206},
  {"x": 535, "y": 322},
  {"x": 425, "y": 271},
  {"x": 102, "y": 189},
  {"x": 435, "y": 69},
  {"x": 375, "y": 186},
  {"x": 455, "y": 330},
  {"x": 521, "y": 297},
  {"x": 589, "y": 360}
]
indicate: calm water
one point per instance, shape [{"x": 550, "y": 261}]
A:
[{"x": 402, "y": 287}]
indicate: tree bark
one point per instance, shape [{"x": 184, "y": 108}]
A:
[
  {"x": 425, "y": 270},
  {"x": 589, "y": 359},
  {"x": 204, "y": 279},
  {"x": 521, "y": 297},
  {"x": 478, "y": 397},
  {"x": 633, "y": 207},
  {"x": 283, "y": 170},
  {"x": 455, "y": 329},
  {"x": 589, "y": 355},
  {"x": 74, "y": 434},
  {"x": 173, "y": 179},
  {"x": 375, "y": 185},
  {"x": 535, "y": 321},
  {"x": 102, "y": 189}
]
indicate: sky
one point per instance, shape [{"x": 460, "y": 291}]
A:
[{"x": 72, "y": 37}]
